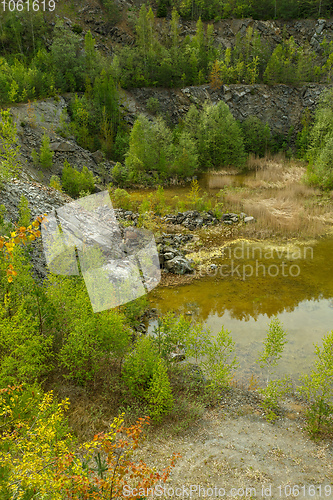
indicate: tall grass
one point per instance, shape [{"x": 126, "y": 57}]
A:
[{"x": 276, "y": 196}]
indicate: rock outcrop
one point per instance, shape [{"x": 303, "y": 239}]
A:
[
  {"x": 281, "y": 106},
  {"x": 50, "y": 116}
]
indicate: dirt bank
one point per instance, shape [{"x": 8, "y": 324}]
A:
[{"x": 233, "y": 446}]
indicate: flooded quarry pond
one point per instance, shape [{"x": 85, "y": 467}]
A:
[{"x": 249, "y": 283}]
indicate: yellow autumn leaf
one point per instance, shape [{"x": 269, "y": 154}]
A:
[{"x": 10, "y": 279}]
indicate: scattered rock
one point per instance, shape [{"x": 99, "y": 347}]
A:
[{"x": 249, "y": 219}]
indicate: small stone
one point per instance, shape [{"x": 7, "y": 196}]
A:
[{"x": 249, "y": 219}]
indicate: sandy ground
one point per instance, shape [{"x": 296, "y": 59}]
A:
[{"x": 233, "y": 452}]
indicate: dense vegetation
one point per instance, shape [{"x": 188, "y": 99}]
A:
[
  {"x": 160, "y": 57},
  {"x": 50, "y": 332},
  {"x": 164, "y": 58},
  {"x": 258, "y": 9},
  {"x": 319, "y": 139},
  {"x": 32, "y": 68}
]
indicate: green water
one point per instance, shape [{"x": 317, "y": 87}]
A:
[
  {"x": 209, "y": 183},
  {"x": 297, "y": 287}
]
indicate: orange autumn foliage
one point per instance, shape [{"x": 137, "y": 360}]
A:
[{"x": 21, "y": 235}]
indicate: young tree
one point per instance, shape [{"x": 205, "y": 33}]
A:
[
  {"x": 222, "y": 142},
  {"x": 64, "y": 52},
  {"x": 319, "y": 152},
  {"x": 186, "y": 160},
  {"x": 317, "y": 388},
  {"x": 45, "y": 153},
  {"x": 215, "y": 75},
  {"x": 38, "y": 456},
  {"x": 256, "y": 136},
  {"x": 273, "y": 348},
  {"x": 9, "y": 151}
]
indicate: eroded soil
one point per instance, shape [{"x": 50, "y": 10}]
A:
[{"x": 233, "y": 446}]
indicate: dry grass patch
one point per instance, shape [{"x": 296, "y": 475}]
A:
[{"x": 279, "y": 201}]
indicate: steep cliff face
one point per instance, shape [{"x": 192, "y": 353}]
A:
[
  {"x": 304, "y": 31},
  {"x": 281, "y": 106}
]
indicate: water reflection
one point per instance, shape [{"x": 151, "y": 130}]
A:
[
  {"x": 211, "y": 181},
  {"x": 244, "y": 306}
]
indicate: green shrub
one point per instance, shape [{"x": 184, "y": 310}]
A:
[
  {"x": 24, "y": 212},
  {"x": 120, "y": 145},
  {"x": 273, "y": 348},
  {"x": 77, "y": 29},
  {"x": 162, "y": 8},
  {"x": 134, "y": 310},
  {"x": 159, "y": 201},
  {"x": 25, "y": 349},
  {"x": 45, "y": 153},
  {"x": 139, "y": 367},
  {"x": 121, "y": 199},
  {"x": 290, "y": 64},
  {"x": 320, "y": 149},
  {"x": 121, "y": 174},
  {"x": 89, "y": 342},
  {"x": 186, "y": 158},
  {"x": 149, "y": 146},
  {"x": 323, "y": 165},
  {"x": 303, "y": 137},
  {"x": 222, "y": 141},
  {"x": 153, "y": 105},
  {"x": 64, "y": 57},
  {"x": 170, "y": 332},
  {"x": 25, "y": 352},
  {"x": 273, "y": 344},
  {"x": 93, "y": 341},
  {"x": 219, "y": 361},
  {"x": 195, "y": 201},
  {"x": 35, "y": 157},
  {"x": 146, "y": 377},
  {"x": 256, "y": 136},
  {"x": 9, "y": 156},
  {"x": 44, "y": 158},
  {"x": 159, "y": 394},
  {"x": 74, "y": 181},
  {"x": 317, "y": 388},
  {"x": 55, "y": 183},
  {"x": 273, "y": 391}
]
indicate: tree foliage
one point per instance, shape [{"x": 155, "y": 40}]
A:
[
  {"x": 221, "y": 138},
  {"x": 320, "y": 149},
  {"x": 317, "y": 389},
  {"x": 9, "y": 150},
  {"x": 74, "y": 181},
  {"x": 38, "y": 455}
]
